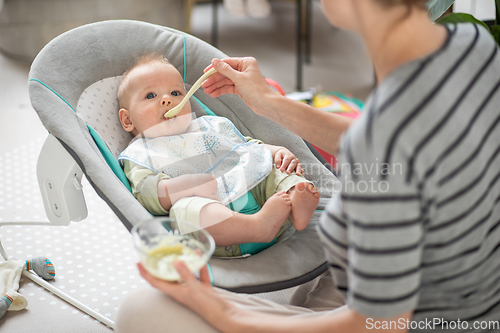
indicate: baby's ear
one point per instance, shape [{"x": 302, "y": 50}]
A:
[{"x": 125, "y": 120}]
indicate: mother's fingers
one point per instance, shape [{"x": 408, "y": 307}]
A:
[
  {"x": 234, "y": 62},
  {"x": 214, "y": 78},
  {"x": 205, "y": 275},
  {"x": 165, "y": 286},
  {"x": 144, "y": 273},
  {"x": 224, "y": 91},
  {"x": 214, "y": 83},
  {"x": 184, "y": 272}
]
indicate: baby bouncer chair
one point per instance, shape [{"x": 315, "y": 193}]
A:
[{"x": 72, "y": 86}]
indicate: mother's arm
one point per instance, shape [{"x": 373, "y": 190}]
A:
[
  {"x": 202, "y": 298},
  {"x": 242, "y": 76}
]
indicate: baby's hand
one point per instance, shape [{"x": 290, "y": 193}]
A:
[{"x": 286, "y": 161}]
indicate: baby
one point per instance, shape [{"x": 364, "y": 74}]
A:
[{"x": 168, "y": 177}]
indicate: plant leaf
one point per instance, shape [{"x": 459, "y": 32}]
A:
[
  {"x": 497, "y": 11},
  {"x": 460, "y": 18},
  {"x": 438, "y": 7},
  {"x": 495, "y": 31}
]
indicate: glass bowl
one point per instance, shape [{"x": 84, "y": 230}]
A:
[{"x": 161, "y": 241}]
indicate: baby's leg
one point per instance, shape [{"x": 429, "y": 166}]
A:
[
  {"x": 228, "y": 227},
  {"x": 305, "y": 199}
]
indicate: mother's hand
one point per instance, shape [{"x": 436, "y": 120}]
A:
[
  {"x": 240, "y": 76},
  {"x": 199, "y": 296}
]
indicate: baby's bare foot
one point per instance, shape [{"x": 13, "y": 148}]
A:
[
  {"x": 273, "y": 214},
  {"x": 305, "y": 199}
]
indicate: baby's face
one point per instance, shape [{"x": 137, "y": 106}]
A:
[{"x": 153, "y": 89}]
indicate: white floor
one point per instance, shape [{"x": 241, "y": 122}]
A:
[{"x": 94, "y": 259}]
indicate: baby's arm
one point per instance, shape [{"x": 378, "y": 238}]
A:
[{"x": 173, "y": 189}]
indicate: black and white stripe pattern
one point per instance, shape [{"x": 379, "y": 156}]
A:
[{"x": 417, "y": 224}]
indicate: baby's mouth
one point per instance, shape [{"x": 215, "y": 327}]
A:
[{"x": 167, "y": 119}]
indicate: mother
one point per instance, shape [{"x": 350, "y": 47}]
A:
[{"x": 413, "y": 240}]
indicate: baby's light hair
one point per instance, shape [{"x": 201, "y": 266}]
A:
[{"x": 141, "y": 60}]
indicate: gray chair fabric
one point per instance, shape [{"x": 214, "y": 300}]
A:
[{"x": 78, "y": 58}]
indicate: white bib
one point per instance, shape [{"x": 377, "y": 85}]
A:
[{"x": 210, "y": 145}]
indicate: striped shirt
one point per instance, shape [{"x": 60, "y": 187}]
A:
[{"x": 416, "y": 224}]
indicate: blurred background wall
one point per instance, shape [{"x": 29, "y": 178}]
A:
[{"x": 27, "y": 25}]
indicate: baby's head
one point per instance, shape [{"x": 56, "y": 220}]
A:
[{"x": 149, "y": 89}]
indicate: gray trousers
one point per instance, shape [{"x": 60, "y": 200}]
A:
[{"x": 150, "y": 310}]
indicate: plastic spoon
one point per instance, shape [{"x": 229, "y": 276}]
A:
[{"x": 175, "y": 110}]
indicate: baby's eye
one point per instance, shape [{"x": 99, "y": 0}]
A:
[
  {"x": 151, "y": 95},
  {"x": 175, "y": 93}
]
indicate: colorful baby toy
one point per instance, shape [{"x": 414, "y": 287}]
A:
[{"x": 10, "y": 274}]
